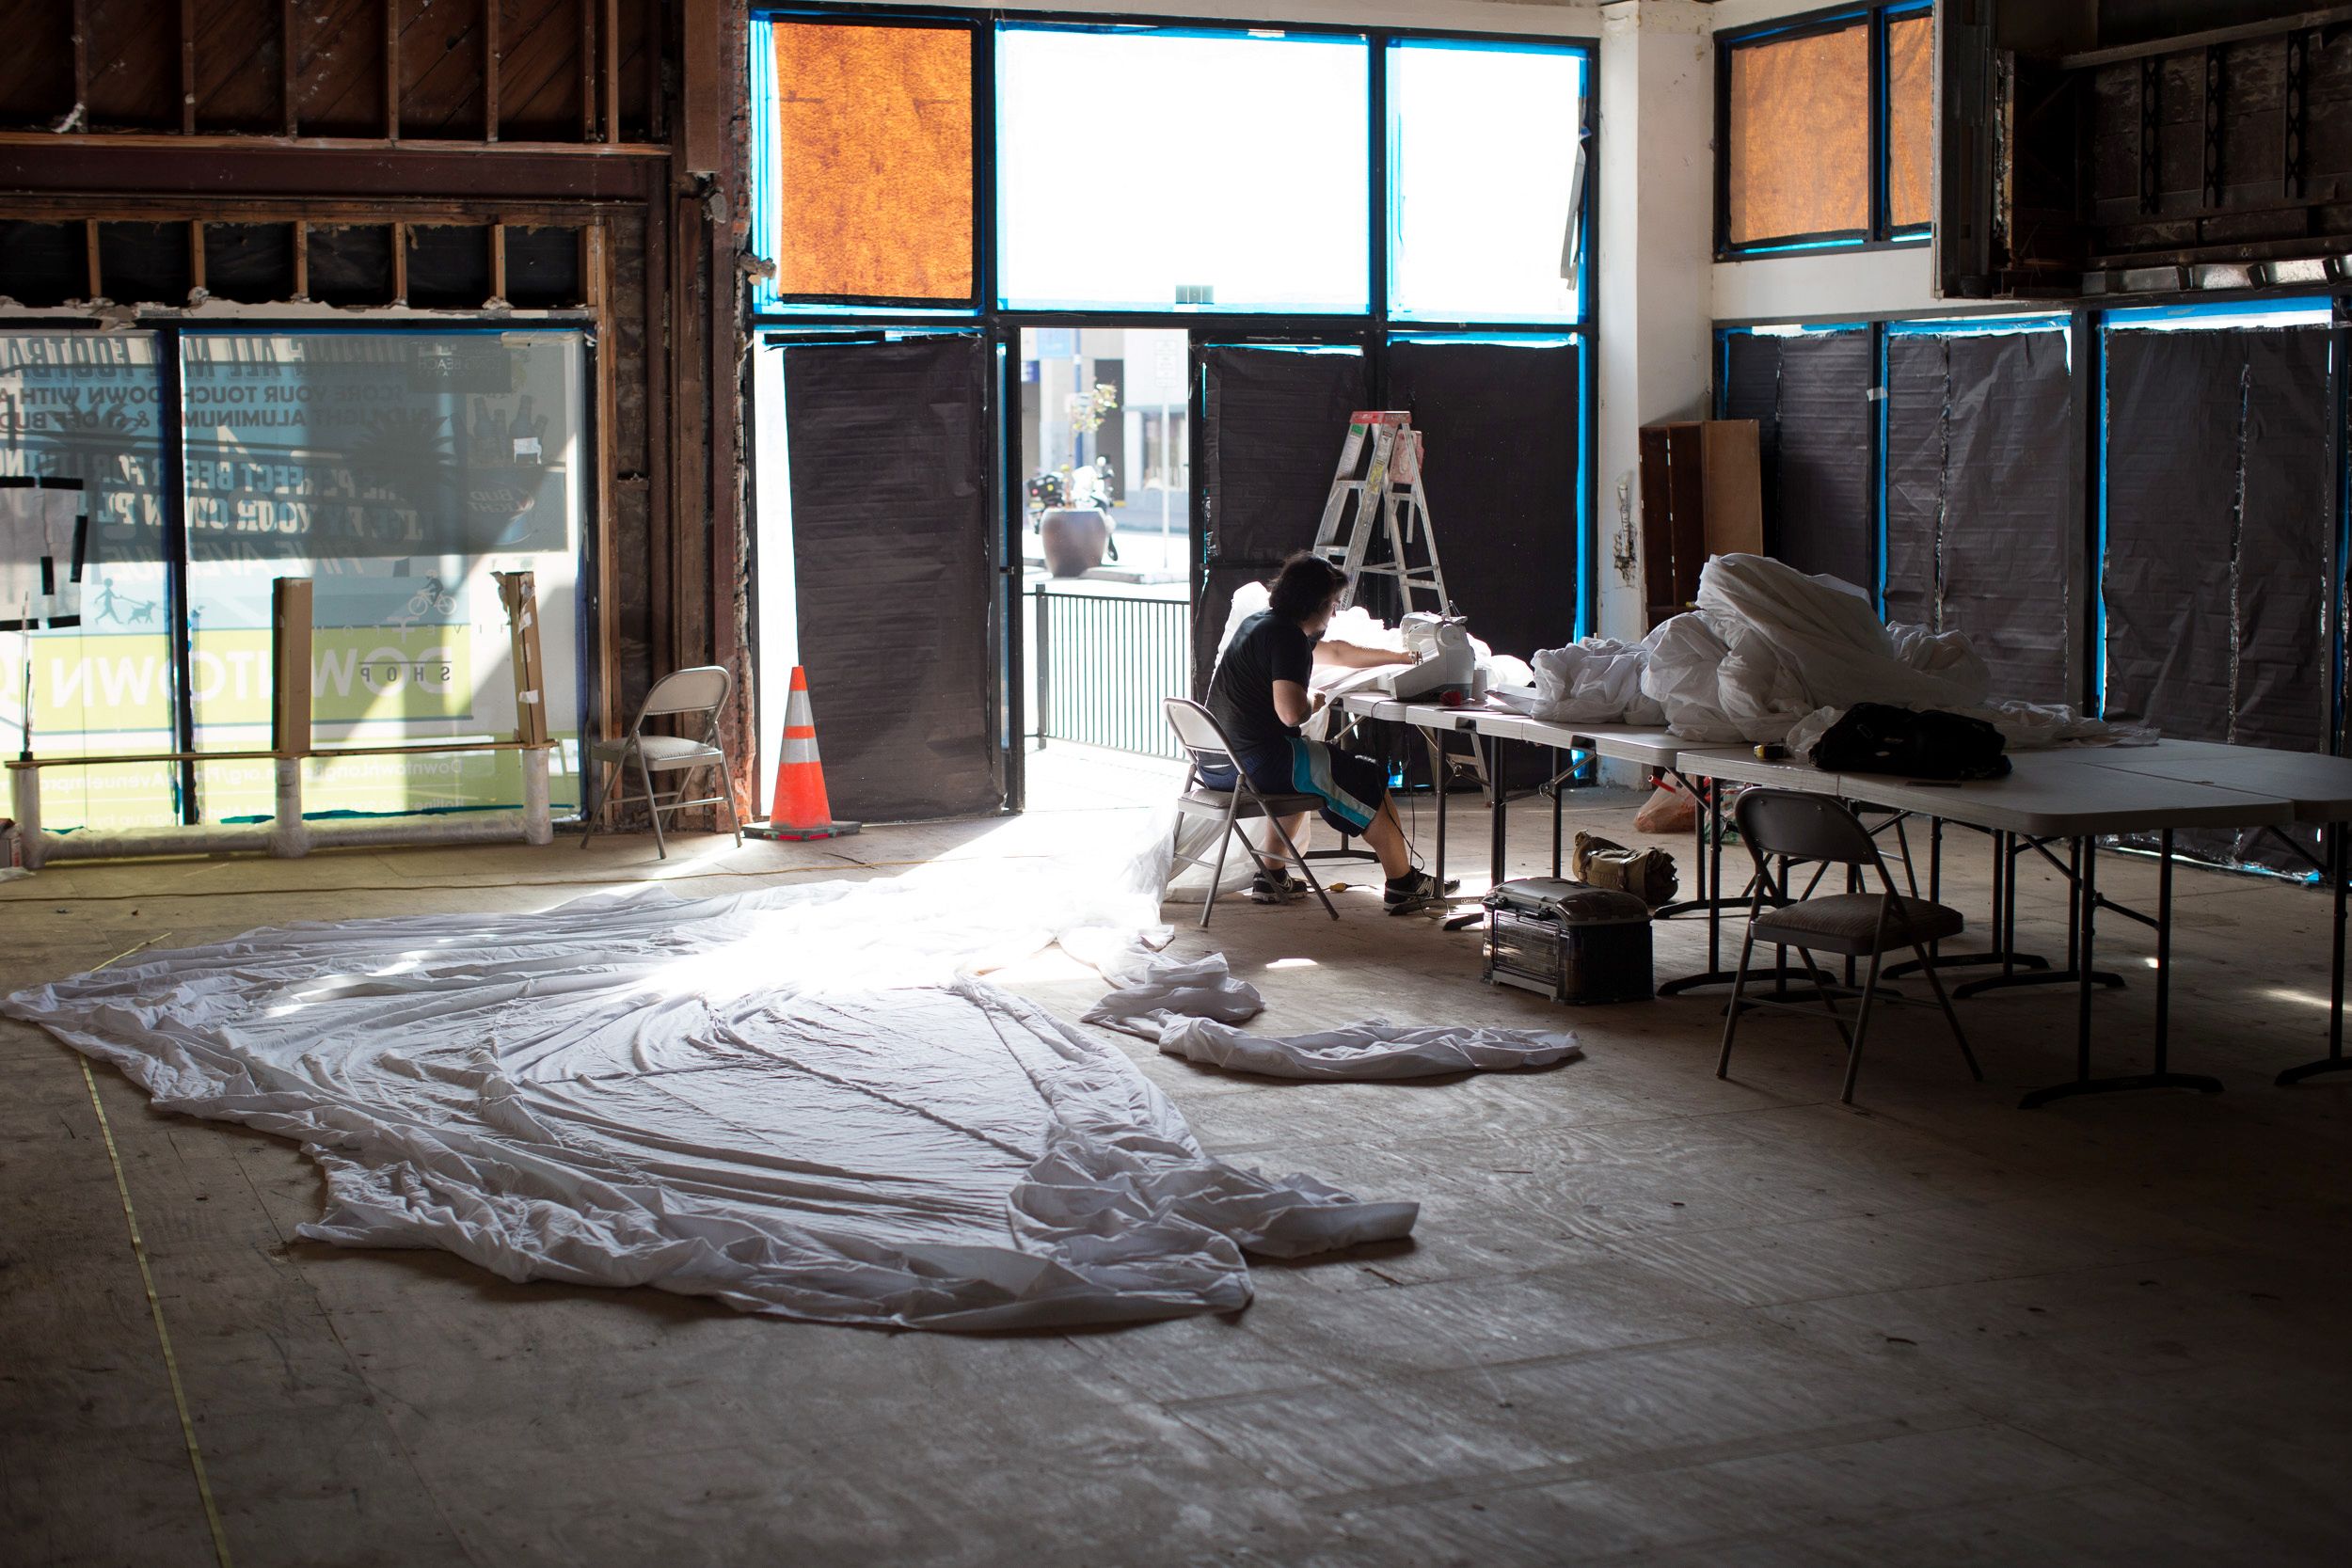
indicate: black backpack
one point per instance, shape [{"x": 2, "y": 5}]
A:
[{"x": 1876, "y": 737}]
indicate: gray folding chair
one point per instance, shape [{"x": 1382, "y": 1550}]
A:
[
  {"x": 703, "y": 691},
  {"x": 1203, "y": 740},
  {"x": 1798, "y": 828}
]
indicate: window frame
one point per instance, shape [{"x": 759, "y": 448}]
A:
[
  {"x": 1880, "y": 233},
  {"x": 1371, "y": 328}
]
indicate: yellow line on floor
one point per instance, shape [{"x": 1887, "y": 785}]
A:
[{"x": 155, "y": 1306}]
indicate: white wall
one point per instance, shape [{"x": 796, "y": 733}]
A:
[
  {"x": 1827, "y": 285},
  {"x": 1656, "y": 198},
  {"x": 1814, "y": 285}
]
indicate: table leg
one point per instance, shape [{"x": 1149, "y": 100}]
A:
[
  {"x": 2335, "y": 1061},
  {"x": 1499, "y": 802},
  {"x": 2086, "y": 892},
  {"x": 1438, "y": 781},
  {"x": 1558, "y": 782},
  {"x": 2006, "y": 855},
  {"x": 2001, "y": 924}
]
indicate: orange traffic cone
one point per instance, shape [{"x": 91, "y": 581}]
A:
[{"x": 800, "y": 809}]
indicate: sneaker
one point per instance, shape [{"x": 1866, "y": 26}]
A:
[
  {"x": 1275, "y": 887},
  {"x": 1415, "y": 890}
]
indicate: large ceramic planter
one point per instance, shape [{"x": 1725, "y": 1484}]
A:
[{"x": 1074, "y": 538}]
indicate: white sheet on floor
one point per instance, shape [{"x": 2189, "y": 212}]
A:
[
  {"x": 785, "y": 1099},
  {"x": 1190, "y": 1008}
]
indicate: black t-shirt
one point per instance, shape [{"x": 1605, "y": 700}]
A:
[{"x": 1266, "y": 649}]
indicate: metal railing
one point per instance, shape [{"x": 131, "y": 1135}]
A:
[{"x": 1102, "y": 664}]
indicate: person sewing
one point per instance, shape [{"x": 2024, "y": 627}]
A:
[{"x": 1262, "y": 693}]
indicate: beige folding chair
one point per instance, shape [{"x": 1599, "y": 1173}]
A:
[
  {"x": 1203, "y": 740},
  {"x": 702, "y": 690},
  {"x": 1796, "y": 828}
]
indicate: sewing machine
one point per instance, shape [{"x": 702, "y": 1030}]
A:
[{"x": 1445, "y": 667}]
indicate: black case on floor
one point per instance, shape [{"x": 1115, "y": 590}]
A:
[{"x": 1568, "y": 940}]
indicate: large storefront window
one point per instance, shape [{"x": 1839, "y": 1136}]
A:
[
  {"x": 86, "y": 658},
  {"x": 1261, "y": 205},
  {"x": 396, "y": 470}
]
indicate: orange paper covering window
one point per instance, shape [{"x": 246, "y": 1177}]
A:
[
  {"x": 1910, "y": 119},
  {"x": 875, "y": 126},
  {"x": 1800, "y": 137}
]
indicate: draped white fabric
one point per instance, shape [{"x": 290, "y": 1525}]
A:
[
  {"x": 1191, "y": 1009},
  {"x": 792, "y": 1100}
]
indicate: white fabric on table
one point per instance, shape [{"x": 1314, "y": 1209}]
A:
[
  {"x": 785, "y": 1099},
  {"x": 1595, "y": 681},
  {"x": 1190, "y": 1009},
  {"x": 1769, "y": 650}
]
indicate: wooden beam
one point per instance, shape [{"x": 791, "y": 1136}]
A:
[
  {"x": 289, "y": 33},
  {"x": 81, "y": 61},
  {"x": 587, "y": 71},
  {"x": 490, "y": 10},
  {"x": 187, "y": 67},
  {"x": 301, "y": 260},
  {"x": 497, "y": 259},
  {"x": 217, "y": 168},
  {"x": 400, "y": 263},
  {"x": 2208, "y": 40},
  {"x": 195, "y": 258},
  {"x": 90, "y": 236},
  {"x": 612, "y": 70},
  {"x": 391, "y": 70},
  {"x": 596, "y": 279}
]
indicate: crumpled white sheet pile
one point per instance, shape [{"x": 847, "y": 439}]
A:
[
  {"x": 1190, "y": 1009},
  {"x": 1772, "y": 654},
  {"x": 787, "y": 1099}
]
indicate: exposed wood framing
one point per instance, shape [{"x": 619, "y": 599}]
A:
[
  {"x": 2150, "y": 148},
  {"x": 596, "y": 275},
  {"x": 187, "y": 67},
  {"x": 490, "y": 62},
  {"x": 2210, "y": 186},
  {"x": 288, "y": 23},
  {"x": 658, "y": 283},
  {"x": 611, "y": 67},
  {"x": 391, "y": 70},
  {"x": 81, "y": 59},
  {"x": 2293, "y": 122},
  {"x": 587, "y": 71}
]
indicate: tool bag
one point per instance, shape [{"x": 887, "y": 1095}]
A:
[
  {"x": 1875, "y": 737},
  {"x": 1646, "y": 873}
]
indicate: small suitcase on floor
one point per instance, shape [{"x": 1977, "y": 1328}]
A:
[{"x": 1568, "y": 940}]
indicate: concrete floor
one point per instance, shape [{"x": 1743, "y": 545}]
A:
[{"x": 1649, "y": 1316}]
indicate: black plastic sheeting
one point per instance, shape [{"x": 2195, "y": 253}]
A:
[
  {"x": 1982, "y": 535},
  {"x": 1809, "y": 394},
  {"x": 1500, "y": 427},
  {"x": 1269, "y": 445},
  {"x": 2219, "y": 501},
  {"x": 890, "y": 529},
  {"x": 1825, "y": 520}
]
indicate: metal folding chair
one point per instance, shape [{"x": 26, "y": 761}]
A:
[
  {"x": 1797, "y": 828},
  {"x": 703, "y": 689},
  {"x": 1203, "y": 740}
]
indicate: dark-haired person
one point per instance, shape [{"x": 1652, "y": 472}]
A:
[{"x": 1261, "y": 695}]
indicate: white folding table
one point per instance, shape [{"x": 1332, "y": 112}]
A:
[
  {"x": 2320, "y": 790},
  {"x": 2076, "y": 797}
]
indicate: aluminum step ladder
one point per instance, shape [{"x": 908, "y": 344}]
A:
[{"x": 1376, "y": 498}]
